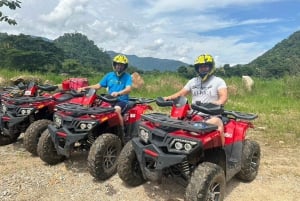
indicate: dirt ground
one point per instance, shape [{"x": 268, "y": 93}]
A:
[{"x": 24, "y": 177}]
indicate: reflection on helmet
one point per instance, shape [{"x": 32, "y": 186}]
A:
[
  {"x": 120, "y": 59},
  {"x": 205, "y": 60}
]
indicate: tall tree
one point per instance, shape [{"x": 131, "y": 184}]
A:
[{"x": 11, "y": 5}]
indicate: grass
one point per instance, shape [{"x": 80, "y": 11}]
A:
[{"x": 276, "y": 101}]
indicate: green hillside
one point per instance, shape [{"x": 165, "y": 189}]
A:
[
  {"x": 71, "y": 53},
  {"x": 75, "y": 54},
  {"x": 283, "y": 59}
]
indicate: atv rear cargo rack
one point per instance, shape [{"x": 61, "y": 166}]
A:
[
  {"x": 194, "y": 126},
  {"x": 80, "y": 109}
]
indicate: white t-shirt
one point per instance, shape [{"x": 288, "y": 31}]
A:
[{"x": 207, "y": 91}]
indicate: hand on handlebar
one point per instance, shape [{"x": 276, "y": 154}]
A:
[
  {"x": 80, "y": 89},
  {"x": 115, "y": 94},
  {"x": 167, "y": 98}
]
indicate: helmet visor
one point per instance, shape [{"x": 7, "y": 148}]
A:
[
  {"x": 119, "y": 67},
  {"x": 203, "y": 67}
]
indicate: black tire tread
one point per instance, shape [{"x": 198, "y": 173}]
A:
[
  {"x": 96, "y": 156},
  {"x": 33, "y": 133},
  {"x": 47, "y": 151},
  {"x": 126, "y": 172},
  {"x": 205, "y": 174},
  {"x": 251, "y": 148},
  {"x": 11, "y": 138}
]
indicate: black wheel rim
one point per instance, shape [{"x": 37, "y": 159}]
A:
[
  {"x": 214, "y": 192},
  {"x": 254, "y": 162},
  {"x": 110, "y": 156}
]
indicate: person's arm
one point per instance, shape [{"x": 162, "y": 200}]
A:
[
  {"x": 182, "y": 92},
  {"x": 95, "y": 86},
  {"x": 223, "y": 96},
  {"x": 122, "y": 92}
]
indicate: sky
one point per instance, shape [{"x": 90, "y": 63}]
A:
[{"x": 232, "y": 31}]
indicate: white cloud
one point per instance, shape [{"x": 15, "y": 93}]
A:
[
  {"x": 170, "y": 29},
  {"x": 64, "y": 10}
]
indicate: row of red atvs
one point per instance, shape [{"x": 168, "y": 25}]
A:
[{"x": 153, "y": 145}]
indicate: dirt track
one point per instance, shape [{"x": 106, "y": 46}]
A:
[{"x": 24, "y": 177}]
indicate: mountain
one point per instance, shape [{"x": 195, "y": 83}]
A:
[
  {"x": 150, "y": 63},
  {"x": 283, "y": 59},
  {"x": 75, "y": 53}
]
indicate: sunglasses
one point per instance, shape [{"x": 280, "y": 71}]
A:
[{"x": 202, "y": 65}]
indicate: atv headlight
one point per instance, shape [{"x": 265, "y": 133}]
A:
[
  {"x": 25, "y": 111},
  {"x": 182, "y": 145},
  {"x": 86, "y": 125},
  {"x": 144, "y": 134},
  {"x": 57, "y": 120},
  {"x": 4, "y": 108},
  {"x": 82, "y": 126}
]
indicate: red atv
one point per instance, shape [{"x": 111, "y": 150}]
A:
[
  {"x": 96, "y": 129},
  {"x": 19, "y": 112},
  {"x": 11, "y": 91},
  {"x": 183, "y": 146}
]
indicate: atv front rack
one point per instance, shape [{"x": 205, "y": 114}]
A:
[
  {"x": 194, "y": 126},
  {"x": 24, "y": 100},
  {"x": 80, "y": 109}
]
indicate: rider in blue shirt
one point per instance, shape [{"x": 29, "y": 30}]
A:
[{"x": 118, "y": 84}]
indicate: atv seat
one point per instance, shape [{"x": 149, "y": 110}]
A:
[
  {"x": 47, "y": 87},
  {"x": 129, "y": 105},
  {"x": 63, "y": 98}
]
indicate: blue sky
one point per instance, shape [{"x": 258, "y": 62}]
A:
[{"x": 233, "y": 31}]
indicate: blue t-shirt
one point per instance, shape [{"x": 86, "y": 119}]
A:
[{"x": 116, "y": 83}]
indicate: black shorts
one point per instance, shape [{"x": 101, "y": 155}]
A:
[{"x": 122, "y": 105}]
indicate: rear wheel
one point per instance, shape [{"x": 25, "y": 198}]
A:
[
  {"x": 46, "y": 149},
  {"x": 128, "y": 166},
  {"x": 103, "y": 155},
  {"x": 207, "y": 183},
  {"x": 33, "y": 133},
  {"x": 250, "y": 161}
]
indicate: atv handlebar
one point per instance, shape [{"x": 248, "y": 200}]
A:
[
  {"x": 208, "y": 108},
  {"x": 108, "y": 98},
  {"x": 163, "y": 103},
  {"x": 213, "y": 109},
  {"x": 141, "y": 100},
  {"x": 178, "y": 102},
  {"x": 240, "y": 115}
]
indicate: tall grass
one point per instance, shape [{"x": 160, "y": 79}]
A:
[{"x": 276, "y": 101}]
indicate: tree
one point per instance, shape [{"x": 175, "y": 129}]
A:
[{"x": 11, "y": 5}]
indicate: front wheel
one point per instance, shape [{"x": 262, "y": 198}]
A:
[
  {"x": 207, "y": 183},
  {"x": 250, "y": 161},
  {"x": 128, "y": 166},
  {"x": 33, "y": 133},
  {"x": 46, "y": 149},
  {"x": 11, "y": 137},
  {"x": 103, "y": 155}
]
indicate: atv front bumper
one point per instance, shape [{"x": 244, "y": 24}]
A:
[
  {"x": 8, "y": 121},
  {"x": 161, "y": 160},
  {"x": 64, "y": 140}
]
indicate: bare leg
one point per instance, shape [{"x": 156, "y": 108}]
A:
[
  {"x": 118, "y": 110},
  {"x": 218, "y": 122}
]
